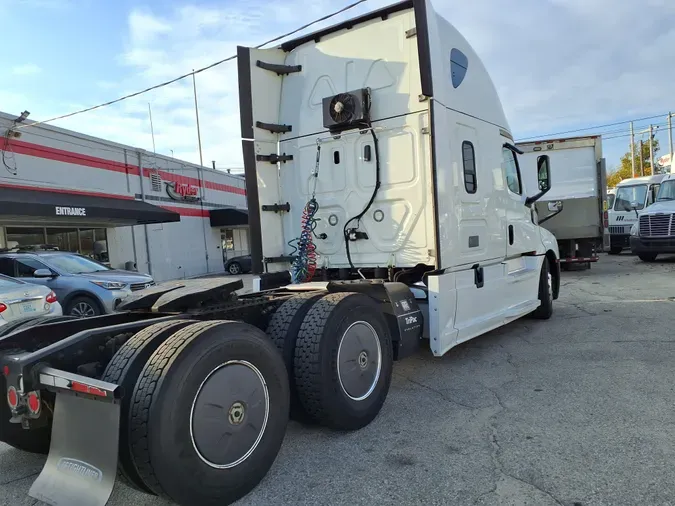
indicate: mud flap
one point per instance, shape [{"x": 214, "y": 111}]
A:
[{"x": 82, "y": 462}]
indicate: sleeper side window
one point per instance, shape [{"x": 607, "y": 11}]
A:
[
  {"x": 511, "y": 171},
  {"x": 469, "y": 162}
]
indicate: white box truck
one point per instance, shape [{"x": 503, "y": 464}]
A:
[
  {"x": 632, "y": 196},
  {"x": 388, "y": 208},
  {"x": 576, "y": 208}
]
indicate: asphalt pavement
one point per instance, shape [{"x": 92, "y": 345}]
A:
[{"x": 573, "y": 411}]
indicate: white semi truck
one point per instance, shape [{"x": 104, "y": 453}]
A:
[
  {"x": 387, "y": 208},
  {"x": 632, "y": 196},
  {"x": 654, "y": 232},
  {"x": 578, "y": 198}
]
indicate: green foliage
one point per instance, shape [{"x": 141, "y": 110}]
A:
[{"x": 625, "y": 170}]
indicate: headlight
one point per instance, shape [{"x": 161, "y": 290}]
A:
[
  {"x": 634, "y": 230},
  {"x": 110, "y": 285}
]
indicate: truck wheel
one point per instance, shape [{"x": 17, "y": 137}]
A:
[
  {"x": 647, "y": 257},
  {"x": 545, "y": 310},
  {"x": 209, "y": 414},
  {"x": 615, "y": 250},
  {"x": 124, "y": 369},
  {"x": 283, "y": 330},
  {"x": 343, "y": 361}
]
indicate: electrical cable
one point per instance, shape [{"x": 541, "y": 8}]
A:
[
  {"x": 591, "y": 127},
  {"x": 358, "y": 217},
  {"x": 184, "y": 76},
  {"x": 304, "y": 266}
]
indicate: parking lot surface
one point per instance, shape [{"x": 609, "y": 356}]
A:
[{"x": 574, "y": 411}]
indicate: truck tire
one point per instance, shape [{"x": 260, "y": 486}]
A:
[
  {"x": 341, "y": 329},
  {"x": 194, "y": 394},
  {"x": 283, "y": 329},
  {"x": 124, "y": 369},
  {"x": 545, "y": 310},
  {"x": 647, "y": 257},
  {"x": 615, "y": 250}
]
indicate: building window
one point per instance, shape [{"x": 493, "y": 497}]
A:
[
  {"x": 25, "y": 237},
  {"x": 92, "y": 242},
  {"x": 63, "y": 238},
  {"x": 511, "y": 171},
  {"x": 469, "y": 161}
]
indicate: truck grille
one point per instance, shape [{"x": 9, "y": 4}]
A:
[
  {"x": 619, "y": 229},
  {"x": 657, "y": 225},
  {"x": 140, "y": 286}
]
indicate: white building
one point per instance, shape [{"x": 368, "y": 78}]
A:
[{"x": 119, "y": 204}]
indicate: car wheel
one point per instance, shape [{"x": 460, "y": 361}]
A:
[
  {"x": 615, "y": 250},
  {"x": 234, "y": 268},
  {"x": 647, "y": 257},
  {"x": 83, "y": 307}
]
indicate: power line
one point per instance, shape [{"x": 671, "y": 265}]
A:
[
  {"x": 592, "y": 127},
  {"x": 215, "y": 64}
]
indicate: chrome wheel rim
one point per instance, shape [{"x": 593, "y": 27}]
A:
[{"x": 234, "y": 269}]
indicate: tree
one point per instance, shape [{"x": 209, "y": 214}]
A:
[{"x": 625, "y": 169}]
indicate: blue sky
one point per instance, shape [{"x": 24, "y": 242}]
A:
[{"x": 557, "y": 64}]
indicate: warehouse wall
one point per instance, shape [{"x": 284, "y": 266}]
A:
[{"x": 46, "y": 158}]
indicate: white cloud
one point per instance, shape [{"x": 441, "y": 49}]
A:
[
  {"x": 556, "y": 63},
  {"x": 27, "y": 69}
]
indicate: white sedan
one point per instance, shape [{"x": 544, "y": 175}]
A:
[{"x": 22, "y": 301}]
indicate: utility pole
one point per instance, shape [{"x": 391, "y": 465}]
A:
[
  {"x": 632, "y": 148},
  {"x": 642, "y": 168},
  {"x": 199, "y": 135},
  {"x": 651, "y": 149},
  {"x": 670, "y": 140}
]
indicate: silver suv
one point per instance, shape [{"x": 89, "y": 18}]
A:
[{"x": 83, "y": 286}]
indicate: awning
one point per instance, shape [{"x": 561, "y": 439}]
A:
[
  {"x": 60, "y": 206},
  {"x": 228, "y": 217}
]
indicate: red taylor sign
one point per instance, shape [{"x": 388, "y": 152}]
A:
[{"x": 182, "y": 191}]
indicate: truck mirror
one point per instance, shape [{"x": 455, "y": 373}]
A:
[
  {"x": 556, "y": 206},
  {"x": 543, "y": 172},
  {"x": 634, "y": 205},
  {"x": 543, "y": 178}
]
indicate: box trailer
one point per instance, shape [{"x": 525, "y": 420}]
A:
[
  {"x": 387, "y": 208},
  {"x": 576, "y": 208}
]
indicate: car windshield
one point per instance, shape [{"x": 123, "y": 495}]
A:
[
  {"x": 6, "y": 282},
  {"x": 628, "y": 194},
  {"x": 76, "y": 264},
  {"x": 667, "y": 191}
]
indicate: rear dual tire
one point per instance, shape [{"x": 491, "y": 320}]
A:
[{"x": 209, "y": 413}]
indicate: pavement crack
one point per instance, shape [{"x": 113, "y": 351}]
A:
[
  {"x": 499, "y": 467},
  {"x": 437, "y": 392},
  {"x": 13, "y": 480}
]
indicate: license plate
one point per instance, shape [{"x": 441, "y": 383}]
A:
[{"x": 27, "y": 308}]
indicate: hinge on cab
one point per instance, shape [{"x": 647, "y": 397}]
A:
[
  {"x": 280, "y": 70},
  {"x": 274, "y": 158},
  {"x": 273, "y": 127},
  {"x": 277, "y": 208}
]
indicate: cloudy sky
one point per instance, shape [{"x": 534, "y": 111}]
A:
[{"x": 558, "y": 64}]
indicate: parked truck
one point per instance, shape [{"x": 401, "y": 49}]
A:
[
  {"x": 632, "y": 196},
  {"x": 653, "y": 234},
  {"x": 387, "y": 208},
  {"x": 576, "y": 209}
]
